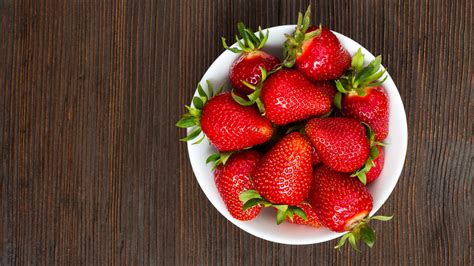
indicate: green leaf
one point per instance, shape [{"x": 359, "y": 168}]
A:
[
  {"x": 381, "y": 218},
  {"x": 186, "y": 121},
  {"x": 234, "y": 50},
  {"x": 353, "y": 242},
  {"x": 362, "y": 177},
  {"x": 367, "y": 235},
  {"x": 340, "y": 87},
  {"x": 264, "y": 74},
  {"x": 289, "y": 215},
  {"x": 251, "y": 203},
  {"x": 357, "y": 61},
  {"x": 225, "y": 156},
  {"x": 261, "y": 107},
  {"x": 199, "y": 140},
  {"x": 373, "y": 77},
  {"x": 281, "y": 213},
  {"x": 298, "y": 211},
  {"x": 248, "y": 195},
  {"x": 219, "y": 90},
  {"x": 213, "y": 157},
  {"x": 198, "y": 103},
  {"x": 342, "y": 240},
  {"x": 337, "y": 100},
  {"x": 201, "y": 91},
  {"x": 241, "y": 101},
  {"x": 210, "y": 88},
  {"x": 374, "y": 152},
  {"x": 248, "y": 85},
  {"x": 265, "y": 38},
  {"x": 192, "y": 135},
  {"x": 194, "y": 111}
]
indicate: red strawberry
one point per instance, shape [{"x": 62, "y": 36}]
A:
[
  {"x": 315, "y": 51},
  {"x": 233, "y": 178},
  {"x": 342, "y": 203},
  {"x": 283, "y": 176},
  {"x": 327, "y": 88},
  {"x": 338, "y": 199},
  {"x": 377, "y": 167},
  {"x": 312, "y": 218},
  {"x": 363, "y": 98},
  {"x": 247, "y": 66},
  {"x": 228, "y": 125},
  {"x": 342, "y": 143},
  {"x": 288, "y": 97}
]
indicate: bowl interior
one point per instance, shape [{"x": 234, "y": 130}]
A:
[{"x": 264, "y": 226}]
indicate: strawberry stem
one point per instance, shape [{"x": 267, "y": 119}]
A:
[{"x": 362, "y": 231}]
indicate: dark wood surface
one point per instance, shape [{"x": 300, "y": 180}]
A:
[{"x": 91, "y": 170}]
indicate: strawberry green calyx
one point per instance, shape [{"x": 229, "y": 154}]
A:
[
  {"x": 254, "y": 97},
  {"x": 359, "y": 77},
  {"x": 249, "y": 41},
  {"x": 192, "y": 119},
  {"x": 251, "y": 198},
  {"x": 361, "y": 231},
  {"x": 374, "y": 153},
  {"x": 219, "y": 158},
  {"x": 292, "y": 47}
]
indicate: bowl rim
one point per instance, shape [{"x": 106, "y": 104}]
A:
[{"x": 396, "y": 173}]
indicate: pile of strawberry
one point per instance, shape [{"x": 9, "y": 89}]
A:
[{"x": 302, "y": 135}]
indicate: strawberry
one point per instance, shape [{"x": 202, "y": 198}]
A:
[
  {"x": 283, "y": 176},
  {"x": 288, "y": 97},
  {"x": 246, "y": 68},
  {"x": 233, "y": 178},
  {"x": 228, "y": 125},
  {"x": 361, "y": 96},
  {"x": 343, "y": 204},
  {"x": 327, "y": 88},
  {"x": 311, "y": 217},
  {"x": 341, "y": 142},
  {"x": 315, "y": 51},
  {"x": 377, "y": 167}
]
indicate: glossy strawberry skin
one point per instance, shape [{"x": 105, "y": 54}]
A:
[
  {"x": 230, "y": 126},
  {"x": 247, "y": 68},
  {"x": 234, "y": 178},
  {"x": 327, "y": 88},
  {"x": 375, "y": 171},
  {"x": 323, "y": 57},
  {"x": 372, "y": 109},
  {"x": 283, "y": 176},
  {"x": 289, "y": 97},
  {"x": 341, "y": 142},
  {"x": 338, "y": 199},
  {"x": 312, "y": 220}
]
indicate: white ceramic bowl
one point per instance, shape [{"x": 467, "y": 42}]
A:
[{"x": 264, "y": 226}]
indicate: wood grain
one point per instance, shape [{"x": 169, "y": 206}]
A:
[{"x": 91, "y": 170}]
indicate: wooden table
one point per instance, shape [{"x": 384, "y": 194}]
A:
[{"x": 91, "y": 170}]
